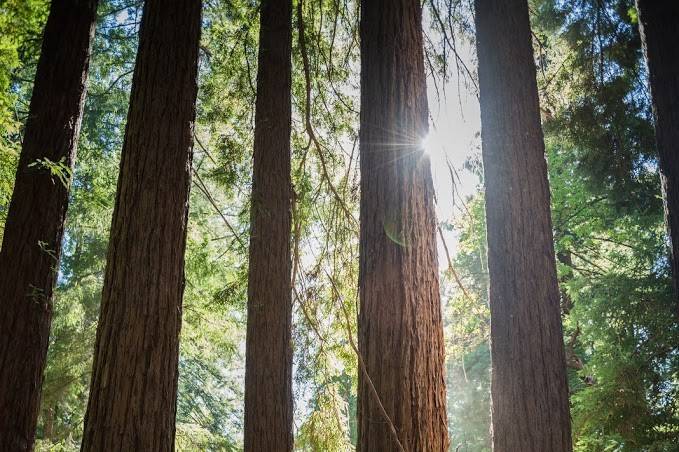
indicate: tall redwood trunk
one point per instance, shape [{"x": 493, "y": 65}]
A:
[
  {"x": 529, "y": 388},
  {"x": 268, "y": 366},
  {"x": 400, "y": 325},
  {"x": 31, "y": 247},
  {"x": 133, "y": 391},
  {"x": 659, "y": 27}
]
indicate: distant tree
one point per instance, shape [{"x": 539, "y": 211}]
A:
[
  {"x": 659, "y": 27},
  {"x": 31, "y": 247},
  {"x": 400, "y": 326},
  {"x": 268, "y": 365},
  {"x": 529, "y": 390},
  {"x": 132, "y": 402}
]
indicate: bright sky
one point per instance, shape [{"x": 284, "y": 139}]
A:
[{"x": 453, "y": 134}]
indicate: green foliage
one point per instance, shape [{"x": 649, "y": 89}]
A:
[
  {"x": 58, "y": 170},
  {"x": 592, "y": 80},
  {"x": 621, "y": 331},
  {"x": 467, "y": 327},
  {"x": 21, "y": 23},
  {"x": 619, "y": 319}
]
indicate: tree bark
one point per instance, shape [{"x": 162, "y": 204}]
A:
[
  {"x": 31, "y": 248},
  {"x": 132, "y": 403},
  {"x": 268, "y": 367},
  {"x": 400, "y": 325},
  {"x": 659, "y": 28},
  {"x": 529, "y": 388}
]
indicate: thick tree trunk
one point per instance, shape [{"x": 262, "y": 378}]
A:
[
  {"x": 400, "y": 326},
  {"x": 132, "y": 402},
  {"x": 268, "y": 368},
  {"x": 659, "y": 27},
  {"x": 31, "y": 246},
  {"x": 529, "y": 389}
]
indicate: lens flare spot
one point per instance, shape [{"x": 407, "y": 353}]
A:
[{"x": 428, "y": 145}]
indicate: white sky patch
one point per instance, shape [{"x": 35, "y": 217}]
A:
[
  {"x": 453, "y": 137},
  {"x": 122, "y": 17}
]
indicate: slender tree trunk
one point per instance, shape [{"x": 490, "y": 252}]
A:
[
  {"x": 133, "y": 391},
  {"x": 31, "y": 247},
  {"x": 400, "y": 326},
  {"x": 659, "y": 27},
  {"x": 529, "y": 388},
  {"x": 268, "y": 367}
]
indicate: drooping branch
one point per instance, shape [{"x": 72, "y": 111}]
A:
[
  {"x": 363, "y": 367},
  {"x": 307, "y": 112}
]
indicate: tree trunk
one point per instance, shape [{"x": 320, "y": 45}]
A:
[
  {"x": 31, "y": 248},
  {"x": 400, "y": 325},
  {"x": 268, "y": 367},
  {"x": 659, "y": 27},
  {"x": 132, "y": 403},
  {"x": 529, "y": 388}
]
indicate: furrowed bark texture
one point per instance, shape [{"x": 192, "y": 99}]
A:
[
  {"x": 268, "y": 368},
  {"x": 659, "y": 27},
  {"x": 31, "y": 247},
  {"x": 529, "y": 390},
  {"x": 133, "y": 391},
  {"x": 400, "y": 326}
]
